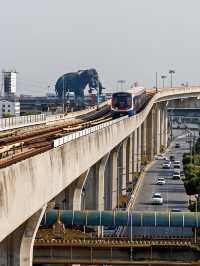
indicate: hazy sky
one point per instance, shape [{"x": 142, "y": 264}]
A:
[{"x": 122, "y": 39}]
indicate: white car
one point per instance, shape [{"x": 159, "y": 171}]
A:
[
  {"x": 177, "y": 162},
  {"x": 160, "y": 181},
  {"x": 157, "y": 199},
  {"x": 166, "y": 165},
  {"x": 159, "y": 157},
  {"x": 176, "y": 176}
]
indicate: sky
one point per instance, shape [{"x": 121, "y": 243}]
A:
[{"x": 127, "y": 40}]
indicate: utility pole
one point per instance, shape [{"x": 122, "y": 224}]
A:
[{"x": 171, "y": 125}]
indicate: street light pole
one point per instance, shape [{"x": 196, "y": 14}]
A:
[
  {"x": 171, "y": 72},
  {"x": 163, "y": 77}
]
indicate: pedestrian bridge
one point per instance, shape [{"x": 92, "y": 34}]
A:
[{"x": 123, "y": 218}]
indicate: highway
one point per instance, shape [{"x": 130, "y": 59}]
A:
[{"x": 173, "y": 192}]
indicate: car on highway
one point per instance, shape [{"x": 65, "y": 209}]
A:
[
  {"x": 177, "y": 171},
  {"x": 157, "y": 199},
  {"x": 160, "y": 181},
  {"x": 177, "y": 164},
  {"x": 175, "y": 210},
  {"x": 166, "y": 165},
  {"x": 176, "y": 176},
  {"x": 159, "y": 157},
  {"x": 172, "y": 158},
  {"x": 177, "y": 145}
]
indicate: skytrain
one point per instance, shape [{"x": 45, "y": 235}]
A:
[{"x": 128, "y": 103}]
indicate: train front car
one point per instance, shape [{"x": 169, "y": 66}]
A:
[
  {"x": 122, "y": 104},
  {"x": 128, "y": 103}
]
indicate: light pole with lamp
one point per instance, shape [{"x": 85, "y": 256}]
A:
[
  {"x": 171, "y": 72},
  {"x": 163, "y": 77}
]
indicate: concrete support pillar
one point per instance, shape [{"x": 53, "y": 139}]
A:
[
  {"x": 79, "y": 190},
  {"x": 139, "y": 149},
  {"x": 135, "y": 152},
  {"x": 124, "y": 167},
  {"x": 71, "y": 198},
  {"x": 157, "y": 130},
  {"x": 31, "y": 228},
  {"x": 130, "y": 168},
  {"x": 162, "y": 125},
  {"x": 150, "y": 135},
  {"x": 144, "y": 138},
  {"x": 114, "y": 177},
  {"x": 165, "y": 127},
  {"x": 17, "y": 248},
  {"x": 101, "y": 168},
  {"x": 100, "y": 182}
]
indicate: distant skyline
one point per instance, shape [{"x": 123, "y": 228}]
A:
[{"x": 123, "y": 39}]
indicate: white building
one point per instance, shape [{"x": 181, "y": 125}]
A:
[
  {"x": 9, "y": 106},
  {"x": 9, "y": 83}
]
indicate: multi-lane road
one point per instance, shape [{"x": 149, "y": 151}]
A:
[{"x": 173, "y": 192}]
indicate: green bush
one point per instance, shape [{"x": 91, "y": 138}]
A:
[
  {"x": 187, "y": 159},
  {"x": 7, "y": 115}
]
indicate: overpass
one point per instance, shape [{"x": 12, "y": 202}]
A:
[{"x": 99, "y": 161}]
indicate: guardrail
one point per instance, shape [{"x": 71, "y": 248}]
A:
[
  {"x": 60, "y": 141},
  {"x": 26, "y": 120},
  {"x": 19, "y": 120}
]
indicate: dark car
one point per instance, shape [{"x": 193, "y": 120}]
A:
[
  {"x": 172, "y": 158},
  {"x": 177, "y": 145},
  {"x": 175, "y": 210}
]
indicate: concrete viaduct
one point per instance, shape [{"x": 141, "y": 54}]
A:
[{"x": 88, "y": 172}]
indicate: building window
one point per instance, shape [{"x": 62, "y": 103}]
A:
[
  {"x": 3, "y": 110},
  {"x": 8, "y": 105},
  {"x": 8, "y": 110},
  {"x": 3, "y": 105}
]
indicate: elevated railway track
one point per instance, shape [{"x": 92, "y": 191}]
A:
[{"x": 18, "y": 146}]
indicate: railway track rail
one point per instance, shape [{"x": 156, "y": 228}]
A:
[{"x": 40, "y": 140}]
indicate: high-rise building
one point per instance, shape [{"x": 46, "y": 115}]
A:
[{"x": 9, "y": 83}]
